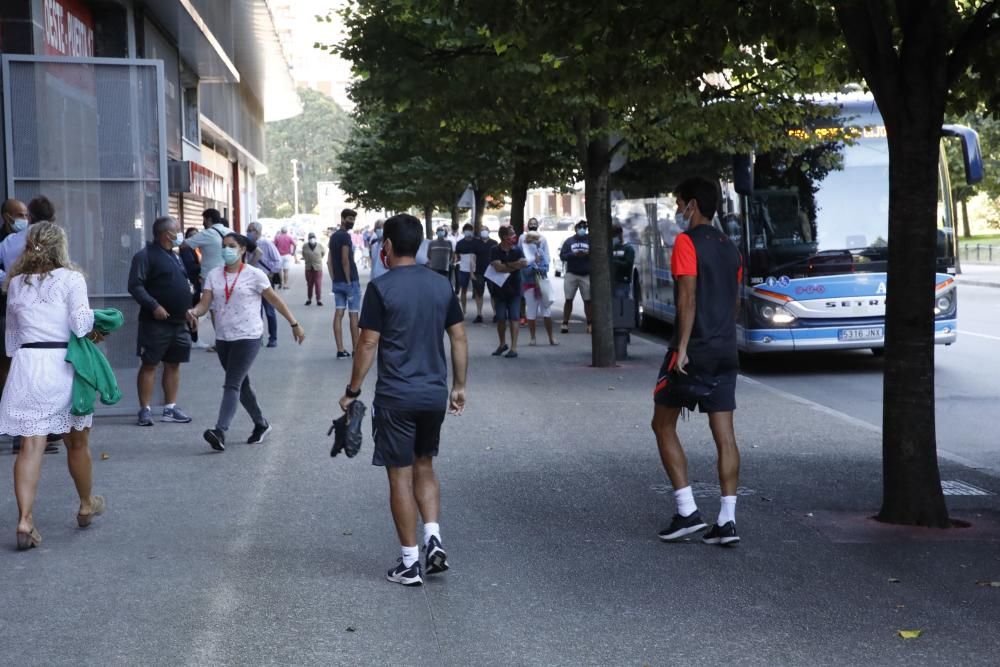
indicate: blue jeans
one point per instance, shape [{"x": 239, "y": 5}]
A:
[
  {"x": 272, "y": 321},
  {"x": 236, "y": 357},
  {"x": 347, "y": 296}
]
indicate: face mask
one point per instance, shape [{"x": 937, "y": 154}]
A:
[
  {"x": 252, "y": 236},
  {"x": 230, "y": 255},
  {"x": 617, "y": 241},
  {"x": 312, "y": 243},
  {"x": 384, "y": 256},
  {"x": 532, "y": 228},
  {"x": 440, "y": 235},
  {"x": 178, "y": 239},
  {"x": 582, "y": 232},
  {"x": 682, "y": 220},
  {"x": 378, "y": 234},
  {"x": 468, "y": 234},
  {"x": 484, "y": 234},
  {"x": 19, "y": 224}
]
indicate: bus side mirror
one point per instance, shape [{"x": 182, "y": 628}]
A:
[
  {"x": 972, "y": 155},
  {"x": 743, "y": 174}
]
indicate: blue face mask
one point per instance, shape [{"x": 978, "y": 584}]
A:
[
  {"x": 378, "y": 234},
  {"x": 230, "y": 256},
  {"x": 468, "y": 234},
  {"x": 440, "y": 235},
  {"x": 178, "y": 239},
  {"x": 582, "y": 232},
  {"x": 20, "y": 225}
]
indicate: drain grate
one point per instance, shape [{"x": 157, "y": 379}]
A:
[{"x": 954, "y": 487}]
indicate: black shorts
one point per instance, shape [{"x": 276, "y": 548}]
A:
[
  {"x": 720, "y": 371},
  {"x": 478, "y": 284},
  {"x": 401, "y": 436},
  {"x": 163, "y": 341}
]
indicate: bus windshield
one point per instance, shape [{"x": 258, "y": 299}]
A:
[{"x": 821, "y": 211}]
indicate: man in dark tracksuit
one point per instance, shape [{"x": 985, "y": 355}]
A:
[{"x": 708, "y": 273}]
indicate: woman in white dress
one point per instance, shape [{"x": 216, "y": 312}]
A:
[
  {"x": 46, "y": 304},
  {"x": 234, "y": 294}
]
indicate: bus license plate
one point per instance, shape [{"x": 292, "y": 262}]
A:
[{"x": 861, "y": 334}]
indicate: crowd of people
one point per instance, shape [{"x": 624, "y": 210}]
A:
[{"x": 417, "y": 296}]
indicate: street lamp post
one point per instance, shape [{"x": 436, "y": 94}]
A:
[{"x": 295, "y": 183}]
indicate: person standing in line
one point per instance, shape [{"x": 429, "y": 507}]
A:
[
  {"x": 285, "y": 243},
  {"x": 158, "y": 283},
  {"x": 46, "y": 304},
  {"x": 708, "y": 273},
  {"x": 208, "y": 243},
  {"x": 439, "y": 253},
  {"x": 575, "y": 255},
  {"x": 455, "y": 237},
  {"x": 14, "y": 216},
  {"x": 346, "y": 283},
  {"x": 465, "y": 250},
  {"x": 314, "y": 254},
  {"x": 267, "y": 258},
  {"x": 39, "y": 209},
  {"x": 375, "y": 251},
  {"x": 534, "y": 281},
  {"x": 234, "y": 292},
  {"x": 366, "y": 241},
  {"x": 192, "y": 265},
  {"x": 507, "y": 259},
  {"x": 483, "y": 249},
  {"x": 622, "y": 263},
  {"x": 406, "y": 313}
]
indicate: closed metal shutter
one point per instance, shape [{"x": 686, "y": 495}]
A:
[{"x": 193, "y": 207}]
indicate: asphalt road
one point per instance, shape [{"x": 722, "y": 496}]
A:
[{"x": 967, "y": 378}]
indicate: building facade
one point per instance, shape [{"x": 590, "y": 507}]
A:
[{"x": 123, "y": 110}]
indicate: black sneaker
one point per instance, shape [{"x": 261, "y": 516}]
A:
[
  {"x": 478, "y": 320},
  {"x": 436, "y": 558},
  {"x": 216, "y": 438},
  {"x": 682, "y": 526},
  {"x": 344, "y": 355},
  {"x": 408, "y": 576},
  {"x": 259, "y": 433},
  {"x": 724, "y": 536}
]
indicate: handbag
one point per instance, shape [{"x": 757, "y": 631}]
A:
[{"x": 545, "y": 290}]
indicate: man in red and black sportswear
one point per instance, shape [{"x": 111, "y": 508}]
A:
[{"x": 707, "y": 274}]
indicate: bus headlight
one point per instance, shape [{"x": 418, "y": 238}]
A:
[
  {"x": 944, "y": 304},
  {"x": 771, "y": 314},
  {"x": 782, "y": 316}
]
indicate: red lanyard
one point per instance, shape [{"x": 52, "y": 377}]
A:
[{"x": 230, "y": 290}]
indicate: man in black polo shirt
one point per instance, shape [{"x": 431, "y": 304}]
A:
[
  {"x": 158, "y": 282},
  {"x": 404, "y": 318},
  {"x": 483, "y": 248},
  {"x": 701, "y": 366},
  {"x": 506, "y": 262}
]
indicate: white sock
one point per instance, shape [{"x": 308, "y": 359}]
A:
[
  {"x": 432, "y": 530},
  {"x": 685, "y": 501},
  {"x": 169, "y": 406},
  {"x": 727, "y": 510},
  {"x": 410, "y": 555}
]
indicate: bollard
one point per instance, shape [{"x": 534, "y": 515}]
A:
[
  {"x": 621, "y": 344},
  {"x": 622, "y": 320}
]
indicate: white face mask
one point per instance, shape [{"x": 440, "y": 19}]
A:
[
  {"x": 683, "y": 221},
  {"x": 484, "y": 234}
]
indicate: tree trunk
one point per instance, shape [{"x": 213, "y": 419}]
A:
[
  {"x": 966, "y": 232},
  {"x": 429, "y": 220},
  {"x": 480, "y": 205},
  {"x": 455, "y": 220},
  {"x": 596, "y": 174},
  {"x": 518, "y": 196}
]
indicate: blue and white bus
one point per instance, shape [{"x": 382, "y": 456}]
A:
[{"x": 813, "y": 231}]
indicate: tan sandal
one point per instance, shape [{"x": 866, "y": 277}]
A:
[
  {"x": 28, "y": 540},
  {"x": 97, "y": 507}
]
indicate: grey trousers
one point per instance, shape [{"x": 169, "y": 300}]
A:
[{"x": 237, "y": 356}]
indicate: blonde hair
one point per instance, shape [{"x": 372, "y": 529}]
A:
[{"x": 46, "y": 250}]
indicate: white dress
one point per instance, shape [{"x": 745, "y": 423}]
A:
[{"x": 39, "y": 391}]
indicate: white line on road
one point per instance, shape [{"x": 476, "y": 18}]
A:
[
  {"x": 963, "y": 332},
  {"x": 868, "y": 426}
]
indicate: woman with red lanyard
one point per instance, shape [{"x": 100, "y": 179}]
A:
[{"x": 234, "y": 294}]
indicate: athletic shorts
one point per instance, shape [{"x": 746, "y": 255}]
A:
[
  {"x": 347, "y": 296},
  {"x": 572, "y": 282},
  {"x": 508, "y": 308},
  {"x": 721, "y": 371},
  {"x": 464, "y": 279},
  {"x": 401, "y": 436},
  {"x": 478, "y": 285},
  {"x": 286, "y": 262},
  {"x": 164, "y": 341}
]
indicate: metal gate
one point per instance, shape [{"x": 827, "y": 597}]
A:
[{"x": 90, "y": 134}]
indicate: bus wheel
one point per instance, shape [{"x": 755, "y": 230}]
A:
[
  {"x": 878, "y": 351},
  {"x": 641, "y": 321}
]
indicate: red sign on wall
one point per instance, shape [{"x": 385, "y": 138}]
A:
[{"x": 69, "y": 29}]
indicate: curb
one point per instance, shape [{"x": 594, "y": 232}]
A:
[{"x": 977, "y": 283}]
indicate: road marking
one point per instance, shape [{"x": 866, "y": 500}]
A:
[
  {"x": 993, "y": 471},
  {"x": 963, "y": 332},
  {"x": 954, "y": 487}
]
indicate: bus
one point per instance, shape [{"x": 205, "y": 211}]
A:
[{"x": 812, "y": 225}]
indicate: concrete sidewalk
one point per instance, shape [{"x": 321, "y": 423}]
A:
[
  {"x": 552, "y": 494},
  {"x": 981, "y": 275}
]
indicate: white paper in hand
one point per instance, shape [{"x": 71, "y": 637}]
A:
[{"x": 495, "y": 276}]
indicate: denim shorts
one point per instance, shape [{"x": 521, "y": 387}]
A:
[{"x": 347, "y": 295}]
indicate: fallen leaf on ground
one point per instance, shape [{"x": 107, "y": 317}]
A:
[
  {"x": 105, "y": 456},
  {"x": 765, "y": 499},
  {"x": 893, "y": 580},
  {"x": 910, "y": 634},
  {"x": 988, "y": 584},
  {"x": 348, "y": 532},
  {"x": 350, "y": 628},
  {"x": 611, "y": 388}
]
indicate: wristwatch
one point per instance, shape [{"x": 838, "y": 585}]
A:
[{"x": 351, "y": 394}]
